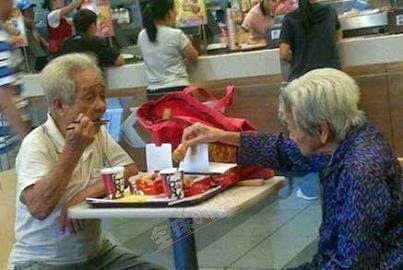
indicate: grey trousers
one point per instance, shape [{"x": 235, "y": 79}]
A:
[{"x": 111, "y": 257}]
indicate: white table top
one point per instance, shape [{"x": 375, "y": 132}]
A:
[{"x": 223, "y": 205}]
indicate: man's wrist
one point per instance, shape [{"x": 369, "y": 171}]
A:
[{"x": 72, "y": 152}]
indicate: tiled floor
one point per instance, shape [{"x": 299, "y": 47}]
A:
[{"x": 279, "y": 232}]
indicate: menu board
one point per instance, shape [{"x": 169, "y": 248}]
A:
[
  {"x": 103, "y": 10},
  {"x": 15, "y": 25},
  {"x": 190, "y": 13}
]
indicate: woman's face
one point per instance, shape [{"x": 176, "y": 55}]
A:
[
  {"x": 308, "y": 145},
  {"x": 172, "y": 15}
]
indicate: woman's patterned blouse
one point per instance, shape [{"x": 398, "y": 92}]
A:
[{"x": 362, "y": 220}]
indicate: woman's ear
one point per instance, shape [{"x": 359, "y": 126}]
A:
[{"x": 323, "y": 131}]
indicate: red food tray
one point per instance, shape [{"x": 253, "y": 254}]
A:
[{"x": 156, "y": 202}]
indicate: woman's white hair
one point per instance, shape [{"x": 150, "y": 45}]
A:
[
  {"x": 57, "y": 77},
  {"x": 323, "y": 95}
]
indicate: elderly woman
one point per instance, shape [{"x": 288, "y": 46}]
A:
[{"x": 361, "y": 180}]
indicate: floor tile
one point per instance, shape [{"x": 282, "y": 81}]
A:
[
  {"x": 278, "y": 249},
  {"x": 230, "y": 247},
  {"x": 305, "y": 255}
]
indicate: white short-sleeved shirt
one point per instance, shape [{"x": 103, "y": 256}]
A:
[
  {"x": 164, "y": 61},
  {"x": 38, "y": 240},
  {"x": 54, "y": 18}
]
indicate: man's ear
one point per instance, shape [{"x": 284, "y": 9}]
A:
[{"x": 58, "y": 106}]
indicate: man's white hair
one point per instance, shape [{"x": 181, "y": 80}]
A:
[
  {"x": 323, "y": 95},
  {"x": 57, "y": 77}
]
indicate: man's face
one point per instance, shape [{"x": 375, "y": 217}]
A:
[
  {"x": 6, "y": 6},
  {"x": 307, "y": 144},
  {"x": 90, "y": 98},
  {"x": 29, "y": 15}
]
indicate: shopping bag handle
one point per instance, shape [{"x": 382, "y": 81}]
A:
[{"x": 219, "y": 103}]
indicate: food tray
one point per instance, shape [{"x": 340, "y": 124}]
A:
[{"x": 138, "y": 201}]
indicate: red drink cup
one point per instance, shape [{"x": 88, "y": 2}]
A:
[{"x": 114, "y": 182}]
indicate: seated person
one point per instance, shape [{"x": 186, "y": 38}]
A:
[
  {"x": 58, "y": 166},
  {"x": 37, "y": 46},
  {"x": 85, "y": 41},
  {"x": 361, "y": 180}
]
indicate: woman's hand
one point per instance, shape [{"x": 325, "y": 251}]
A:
[{"x": 200, "y": 133}]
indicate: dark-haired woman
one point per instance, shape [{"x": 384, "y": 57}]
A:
[
  {"x": 59, "y": 26},
  {"x": 308, "y": 38},
  {"x": 165, "y": 50},
  {"x": 259, "y": 19}
]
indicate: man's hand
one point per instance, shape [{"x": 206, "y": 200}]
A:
[
  {"x": 80, "y": 134},
  {"x": 74, "y": 225}
]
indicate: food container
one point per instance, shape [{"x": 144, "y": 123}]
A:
[
  {"x": 172, "y": 182},
  {"x": 146, "y": 184},
  {"x": 195, "y": 185}
]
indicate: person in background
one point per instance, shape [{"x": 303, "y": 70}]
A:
[
  {"x": 85, "y": 41},
  {"x": 166, "y": 51},
  {"x": 58, "y": 166},
  {"x": 59, "y": 26},
  {"x": 308, "y": 41},
  {"x": 256, "y": 23},
  {"x": 37, "y": 46},
  {"x": 360, "y": 175},
  {"x": 308, "y": 38},
  {"x": 10, "y": 60}
]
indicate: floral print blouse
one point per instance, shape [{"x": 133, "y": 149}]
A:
[{"x": 362, "y": 220}]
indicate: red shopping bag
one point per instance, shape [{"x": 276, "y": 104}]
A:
[
  {"x": 170, "y": 115},
  {"x": 167, "y": 117}
]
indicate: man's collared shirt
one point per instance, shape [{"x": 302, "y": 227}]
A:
[{"x": 38, "y": 240}]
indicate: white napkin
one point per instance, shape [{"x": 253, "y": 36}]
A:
[
  {"x": 197, "y": 162},
  {"x": 158, "y": 157}
]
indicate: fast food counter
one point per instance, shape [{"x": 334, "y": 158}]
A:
[
  {"x": 360, "y": 51},
  {"x": 376, "y": 63}
]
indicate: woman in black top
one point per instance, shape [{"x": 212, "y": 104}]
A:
[{"x": 308, "y": 38}]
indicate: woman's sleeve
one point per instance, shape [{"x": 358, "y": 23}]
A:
[{"x": 278, "y": 152}]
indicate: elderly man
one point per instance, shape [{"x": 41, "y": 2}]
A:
[
  {"x": 58, "y": 166},
  {"x": 362, "y": 189}
]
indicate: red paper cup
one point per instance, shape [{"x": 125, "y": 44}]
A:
[
  {"x": 172, "y": 184},
  {"x": 114, "y": 182}
]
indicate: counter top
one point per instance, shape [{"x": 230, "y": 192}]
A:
[{"x": 353, "y": 52}]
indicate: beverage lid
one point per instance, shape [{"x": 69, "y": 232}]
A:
[{"x": 111, "y": 170}]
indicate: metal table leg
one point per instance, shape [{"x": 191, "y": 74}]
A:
[{"x": 184, "y": 244}]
